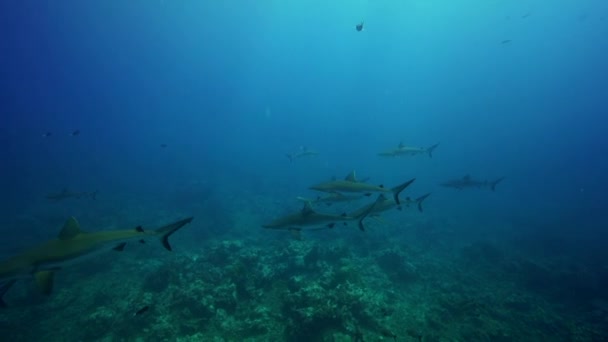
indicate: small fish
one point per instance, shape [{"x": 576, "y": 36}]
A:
[
  {"x": 141, "y": 311},
  {"x": 75, "y": 133},
  {"x": 359, "y": 27},
  {"x": 506, "y": 41},
  {"x": 525, "y": 15},
  {"x": 163, "y": 145},
  {"x": 47, "y": 134}
]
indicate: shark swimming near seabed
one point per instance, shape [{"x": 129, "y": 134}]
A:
[
  {"x": 303, "y": 152},
  {"x": 66, "y": 194},
  {"x": 308, "y": 217},
  {"x": 71, "y": 245},
  {"x": 403, "y": 150},
  {"x": 389, "y": 204},
  {"x": 467, "y": 182},
  {"x": 351, "y": 184}
]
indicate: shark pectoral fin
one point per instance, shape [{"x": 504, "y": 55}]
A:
[
  {"x": 70, "y": 229},
  {"x": 5, "y": 287},
  {"x": 44, "y": 281},
  {"x": 169, "y": 229},
  {"x": 120, "y": 247}
]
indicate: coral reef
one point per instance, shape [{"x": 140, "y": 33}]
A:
[{"x": 315, "y": 289}]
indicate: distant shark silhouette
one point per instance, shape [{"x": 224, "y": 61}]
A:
[
  {"x": 65, "y": 194},
  {"x": 303, "y": 152},
  {"x": 468, "y": 182},
  {"x": 72, "y": 244},
  {"x": 402, "y": 150}
]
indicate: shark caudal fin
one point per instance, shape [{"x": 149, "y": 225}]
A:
[
  {"x": 397, "y": 190},
  {"x": 5, "y": 287},
  {"x": 494, "y": 183},
  {"x": 371, "y": 208},
  {"x": 169, "y": 229},
  {"x": 431, "y": 149},
  {"x": 421, "y": 199}
]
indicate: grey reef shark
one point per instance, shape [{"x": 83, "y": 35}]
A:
[
  {"x": 71, "y": 245},
  {"x": 308, "y": 217},
  {"x": 67, "y": 194},
  {"x": 303, "y": 152},
  {"x": 388, "y": 204},
  {"x": 402, "y": 150},
  {"x": 350, "y": 184},
  {"x": 467, "y": 182},
  {"x": 331, "y": 198}
]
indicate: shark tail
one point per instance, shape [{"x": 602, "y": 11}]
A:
[
  {"x": 371, "y": 208},
  {"x": 5, "y": 287},
  {"x": 494, "y": 183},
  {"x": 421, "y": 199},
  {"x": 169, "y": 229},
  {"x": 431, "y": 149},
  {"x": 397, "y": 190},
  {"x": 290, "y": 157}
]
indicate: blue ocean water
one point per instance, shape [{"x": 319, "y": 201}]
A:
[{"x": 189, "y": 108}]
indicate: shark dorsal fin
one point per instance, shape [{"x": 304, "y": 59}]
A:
[
  {"x": 351, "y": 177},
  {"x": 401, "y": 145},
  {"x": 467, "y": 177},
  {"x": 70, "y": 229},
  {"x": 307, "y": 209}
]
